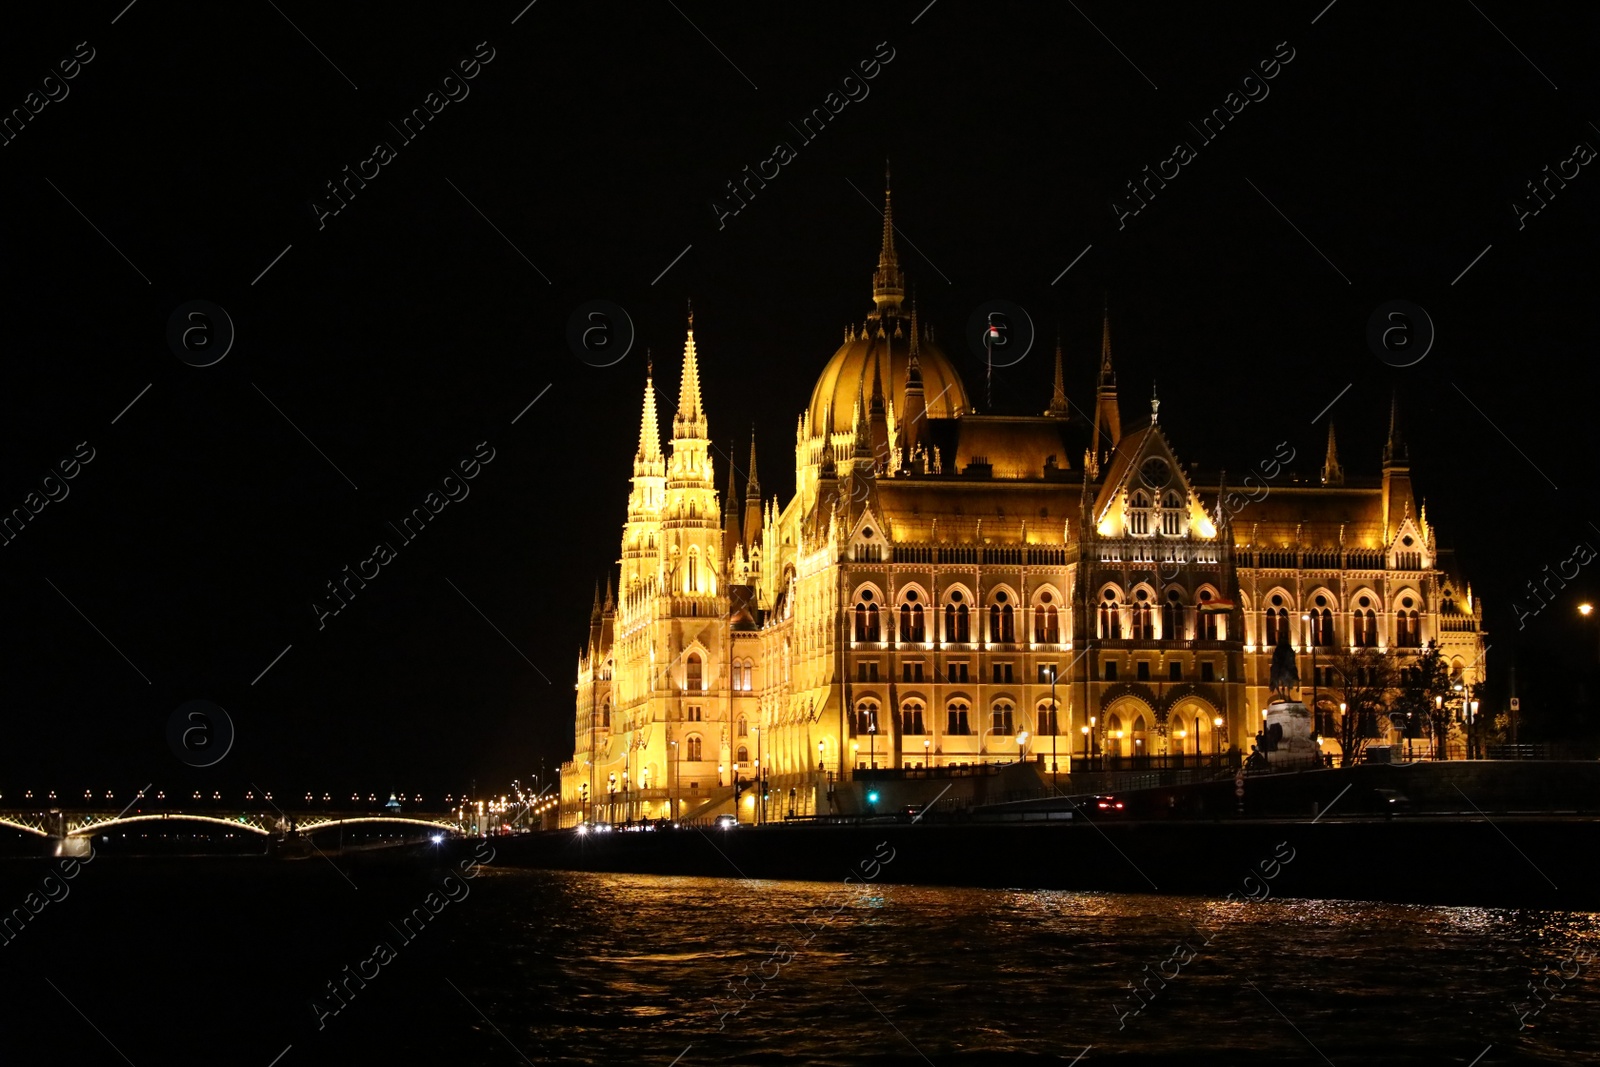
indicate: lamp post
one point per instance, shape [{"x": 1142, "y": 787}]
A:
[
  {"x": 761, "y": 793},
  {"x": 927, "y": 752},
  {"x": 1054, "y": 727},
  {"x": 1085, "y": 730},
  {"x": 820, "y": 765},
  {"x": 1472, "y": 730},
  {"x": 1311, "y": 639},
  {"x": 1022, "y": 743},
  {"x": 872, "y": 744},
  {"x": 1438, "y": 711},
  {"x": 1216, "y": 739},
  {"x": 1587, "y": 611},
  {"x": 1344, "y": 732},
  {"x": 677, "y": 779},
  {"x": 611, "y": 798}
]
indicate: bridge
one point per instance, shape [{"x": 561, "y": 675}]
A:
[{"x": 83, "y": 824}]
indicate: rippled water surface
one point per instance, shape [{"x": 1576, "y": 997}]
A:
[{"x": 220, "y": 964}]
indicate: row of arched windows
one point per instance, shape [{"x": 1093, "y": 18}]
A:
[
  {"x": 867, "y": 621},
  {"x": 1136, "y": 619},
  {"x": 1278, "y": 622},
  {"x": 958, "y": 717}
]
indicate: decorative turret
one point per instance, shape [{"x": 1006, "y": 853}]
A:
[{"x": 1332, "y": 473}]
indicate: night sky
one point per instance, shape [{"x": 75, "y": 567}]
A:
[{"x": 582, "y": 158}]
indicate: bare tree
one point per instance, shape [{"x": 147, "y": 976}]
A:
[
  {"x": 1424, "y": 696},
  {"x": 1366, "y": 679}
]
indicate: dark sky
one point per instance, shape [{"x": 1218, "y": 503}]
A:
[{"x": 426, "y": 315}]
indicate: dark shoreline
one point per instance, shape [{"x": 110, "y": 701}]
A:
[{"x": 1514, "y": 861}]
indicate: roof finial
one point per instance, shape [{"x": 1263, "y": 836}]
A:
[
  {"x": 691, "y": 313},
  {"x": 1155, "y": 403}
]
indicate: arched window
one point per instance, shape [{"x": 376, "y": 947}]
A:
[
  {"x": 742, "y": 756},
  {"x": 957, "y": 620},
  {"x": 744, "y": 726},
  {"x": 1110, "y": 616},
  {"x": 1139, "y": 514},
  {"x": 1046, "y": 621},
  {"x": 1172, "y": 617},
  {"x": 865, "y": 719},
  {"x": 692, "y": 672},
  {"x": 911, "y": 618},
  {"x": 1277, "y": 622},
  {"x": 692, "y": 581},
  {"x": 1048, "y": 718},
  {"x": 1172, "y": 515},
  {"x": 1114, "y": 735},
  {"x": 605, "y": 715},
  {"x": 867, "y": 626},
  {"x": 956, "y": 721},
  {"x": 1321, "y": 623},
  {"x": 1002, "y": 717},
  {"x": 692, "y": 749},
  {"x": 1002, "y": 623},
  {"x": 1365, "y": 624},
  {"x": 911, "y": 717},
  {"x": 1143, "y": 617},
  {"x": 1407, "y": 626}
]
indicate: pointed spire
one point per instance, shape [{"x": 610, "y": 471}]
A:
[
  {"x": 915, "y": 331},
  {"x": 752, "y": 485},
  {"x": 862, "y": 423},
  {"x": 1332, "y": 473},
  {"x": 888, "y": 283},
  {"x": 610, "y": 603},
  {"x": 1155, "y": 403},
  {"x": 1107, "y": 375},
  {"x": 1058, "y": 391},
  {"x": 730, "y": 512},
  {"x": 594, "y": 613},
  {"x": 876, "y": 407},
  {"x": 1395, "y": 452},
  {"x": 752, "y": 499},
  {"x": 649, "y": 424},
  {"x": 690, "y": 418}
]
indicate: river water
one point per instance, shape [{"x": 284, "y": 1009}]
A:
[{"x": 221, "y": 961}]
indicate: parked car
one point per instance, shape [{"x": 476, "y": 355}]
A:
[{"x": 727, "y": 822}]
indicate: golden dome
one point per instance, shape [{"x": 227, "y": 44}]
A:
[{"x": 851, "y": 369}]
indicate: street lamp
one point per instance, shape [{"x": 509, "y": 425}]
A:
[
  {"x": 1344, "y": 758},
  {"x": 1085, "y": 730},
  {"x": 1472, "y": 730},
  {"x": 1216, "y": 737},
  {"x": 820, "y": 765},
  {"x": 1438, "y": 710},
  {"x": 927, "y": 752},
  {"x": 1022, "y": 741},
  {"x": 1316, "y": 719},
  {"x": 677, "y": 778},
  {"x": 872, "y": 743},
  {"x": 1055, "y": 726}
]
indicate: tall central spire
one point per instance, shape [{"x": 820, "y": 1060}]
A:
[
  {"x": 649, "y": 424},
  {"x": 888, "y": 283},
  {"x": 690, "y": 421}
]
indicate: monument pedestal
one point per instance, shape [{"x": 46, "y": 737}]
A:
[{"x": 1293, "y": 723}]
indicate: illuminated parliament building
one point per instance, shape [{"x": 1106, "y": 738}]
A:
[{"x": 937, "y": 568}]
